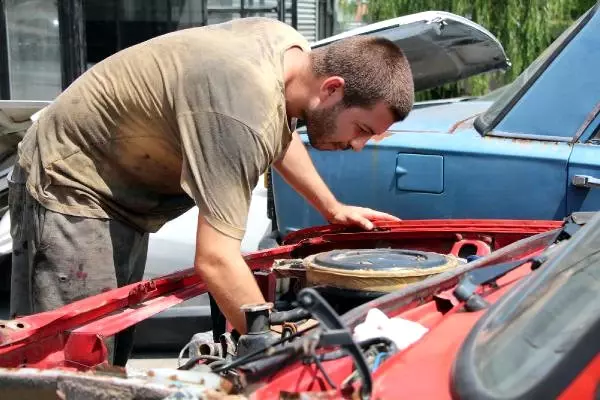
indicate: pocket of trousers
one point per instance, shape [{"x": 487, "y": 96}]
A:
[{"x": 17, "y": 208}]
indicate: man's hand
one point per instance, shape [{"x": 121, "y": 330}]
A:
[
  {"x": 350, "y": 215},
  {"x": 297, "y": 169},
  {"x": 220, "y": 264}
]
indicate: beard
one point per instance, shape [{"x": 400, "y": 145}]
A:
[{"x": 321, "y": 127}]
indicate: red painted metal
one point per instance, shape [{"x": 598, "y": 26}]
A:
[
  {"x": 42, "y": 340},
  {"x": 437, "y": 225},
  {"x": 481, "y": 248},
  {"x": 71, "y": 337},
  {"x": 587, "y": 383},
  {"x": 402, "y": 376}
]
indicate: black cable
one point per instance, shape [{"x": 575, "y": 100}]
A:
[
  {"x": 294, "y": 315},
  {"x": 320, "y": 367}
]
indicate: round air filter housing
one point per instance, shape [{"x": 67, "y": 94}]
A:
[{"x": 374, "y": 270}]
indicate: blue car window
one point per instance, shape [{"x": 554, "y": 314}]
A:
[
  {"x": 596, "y": 135},
  {"x": 546, "y": 99}
]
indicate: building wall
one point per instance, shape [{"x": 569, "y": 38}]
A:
[
  {"x": 307, "y": 19},
  {"x": 32, "y": 56}
]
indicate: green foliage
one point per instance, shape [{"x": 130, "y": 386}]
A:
[{"x": 524, "y": 27}]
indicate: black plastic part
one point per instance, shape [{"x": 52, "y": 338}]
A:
[
  {"x": 568, "y": 230},
  {"x": 343, "y": 299},
  {"x": 257, "y": 320},
  {"x": 334, "y": 332},
  {"x": 379, "y": 259},
  {"x": 219, "y": 323},
  {"x": 258, "y": 333},
  {"x": 255, "y": 371},
  {"x": 476, "y": 303},
  {"x": 248, "y": 344},
  {"x": 291, "y": 348},
  {"x": 348, "y": 294},
  {"x": 465, "y": 292},
  {"x": 573, "y": 223},
  {"x": 487, "y": 275}
]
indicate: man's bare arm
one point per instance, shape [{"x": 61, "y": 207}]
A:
[
  {"x": 220, "y": 264},
  {"x": 298, "y": 170}
]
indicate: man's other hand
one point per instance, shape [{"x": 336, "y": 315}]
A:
[{"x": 351, "y": 215}]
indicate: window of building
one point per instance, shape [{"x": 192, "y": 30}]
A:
[{"x": 33, "y": 49}]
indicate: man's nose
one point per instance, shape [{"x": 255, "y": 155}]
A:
[{"x": 359, "y": 143}]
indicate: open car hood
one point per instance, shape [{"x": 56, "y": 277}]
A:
[
  {"x": 15, "y": 118},
  {"x": 16, "y": 115},
  {"x": 63, "y": 348},
  {"x": 441, "y": 47}
]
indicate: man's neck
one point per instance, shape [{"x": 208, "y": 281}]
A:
[{"x": 297, "y": 79}]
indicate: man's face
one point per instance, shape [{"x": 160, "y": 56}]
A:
[{"x": 335, "y": 127}]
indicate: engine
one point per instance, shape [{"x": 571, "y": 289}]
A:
[
  {"x": 345, "y": 279},
  {"x": 348, "y": 278}
]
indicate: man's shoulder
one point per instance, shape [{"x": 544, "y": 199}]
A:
[
  {"x": 256, "y": 22},
  {"x": 269, "y": 29}
]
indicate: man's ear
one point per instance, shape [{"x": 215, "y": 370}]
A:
[{"x": 332, "y": 89}]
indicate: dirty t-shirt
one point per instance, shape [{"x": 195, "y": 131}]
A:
[{"x": 197, "y": 114}]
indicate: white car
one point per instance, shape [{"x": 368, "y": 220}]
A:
[{"x": 170, "y": 249}]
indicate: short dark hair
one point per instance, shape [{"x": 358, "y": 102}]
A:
[{"x": 373, "y": 68}]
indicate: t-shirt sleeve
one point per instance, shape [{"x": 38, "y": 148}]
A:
[{"x": 222, "y": 162}]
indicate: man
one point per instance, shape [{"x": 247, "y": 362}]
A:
[{"x": 191, "y": 117}]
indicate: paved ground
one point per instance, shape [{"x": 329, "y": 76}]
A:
[{"x": 153, "y": 360}]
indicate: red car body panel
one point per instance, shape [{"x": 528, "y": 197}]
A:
[
  {"x": 421, "y": 371},
  {"x": 70, "y": 337}
]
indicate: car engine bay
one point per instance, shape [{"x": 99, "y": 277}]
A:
[
  {"x": 312, "y": 292},
  {"x": 331, "y": 316}
]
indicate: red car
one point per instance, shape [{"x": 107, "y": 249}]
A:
[{"x": 455, "y": 309}]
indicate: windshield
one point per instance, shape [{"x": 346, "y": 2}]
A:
[
  {"x": 515, "y": 90},
  {"x": 540, "y": 324}
]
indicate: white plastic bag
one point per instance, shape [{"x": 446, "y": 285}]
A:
[{"x": 401, "y": 331}]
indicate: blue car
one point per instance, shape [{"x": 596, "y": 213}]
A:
[{"x": 530, "y": 150}]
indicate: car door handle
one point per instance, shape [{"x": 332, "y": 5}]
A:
[{"x": 585, "y": 181}]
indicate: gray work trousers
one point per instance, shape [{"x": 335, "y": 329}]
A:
[{"x": 58, "y": 259}]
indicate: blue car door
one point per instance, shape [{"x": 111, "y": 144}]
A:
[
  {"x": 425, "y": 175},
  {"x": 584, "y": 171}
]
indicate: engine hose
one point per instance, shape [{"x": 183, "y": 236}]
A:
[
  {"x": 193, "y": 361},
  {"x": 280, "y": 317}
]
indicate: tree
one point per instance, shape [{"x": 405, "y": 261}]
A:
[{"x": 524, "y": 27}]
